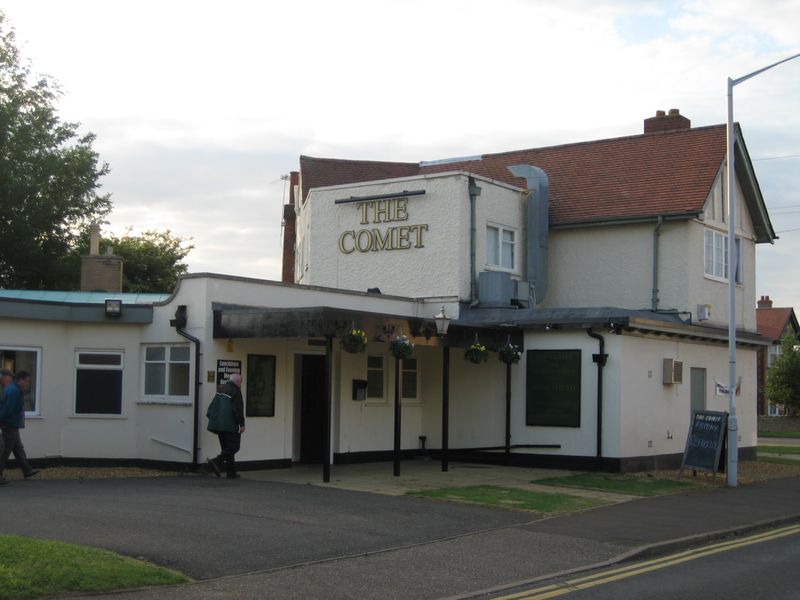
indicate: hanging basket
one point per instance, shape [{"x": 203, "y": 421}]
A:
[
  {"x": 476, "y": 353},
  {"x": 509, "y": 354},
  {"x": 354, "y": 341},
  {"x": 401, "y": 347}
]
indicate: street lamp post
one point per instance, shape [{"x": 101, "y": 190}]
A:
[{"x": 733, "y": 260}]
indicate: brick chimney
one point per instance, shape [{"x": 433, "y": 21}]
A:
[
  {"x": 289, "y": 231},
  {"x": 100, "y": 273},
  {"x": 674, "y": 121},
  {"x": 764, "y": 302}
]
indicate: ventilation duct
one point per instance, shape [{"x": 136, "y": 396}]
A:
[{"x": 538, "y": 226}]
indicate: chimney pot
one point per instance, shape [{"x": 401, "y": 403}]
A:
[{"x": 674, "y": 111}]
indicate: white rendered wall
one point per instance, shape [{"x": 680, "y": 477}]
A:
[
  {"x": 658, "y": 413},
  {"x": 439, "y": 267}
]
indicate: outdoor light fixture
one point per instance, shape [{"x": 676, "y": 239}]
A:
[
  {"x": 442, "y": 322},
  {"x": 113, "y": 308}
]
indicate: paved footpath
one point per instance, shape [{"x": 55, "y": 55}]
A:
[{"x": 264, "y": 539}]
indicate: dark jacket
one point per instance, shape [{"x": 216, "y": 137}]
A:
[
  {"x": 226, "y": 412},
  {"x": 12, "y": 407}
]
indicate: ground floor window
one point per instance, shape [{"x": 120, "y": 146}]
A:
[
  {"x": 98, "y": 383},
  {"x": 408, "y": 380},
  {"x": 166, "y": 371},
  {"x": 376, "y": 380},
  {"x": 260, "y": 392},
  {"x": 18, "y": 358},
  {"x": 553, "y": 388}
]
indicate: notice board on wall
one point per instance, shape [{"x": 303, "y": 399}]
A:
[
  {"x": 705, "y": 441},
  {"x": 226, "y": 368}
]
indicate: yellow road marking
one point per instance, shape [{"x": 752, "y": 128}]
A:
[{"x": 580, "y": 583}]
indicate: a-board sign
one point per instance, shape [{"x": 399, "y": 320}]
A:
[{"x": 705, "y": 440}]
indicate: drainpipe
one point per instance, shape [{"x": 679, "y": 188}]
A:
[
  {"x": 474, "y": 192},
  {"x": 656, "y": 234},
  {"x": 600, "y": 358},
  {"x": 179, "y": 322}
]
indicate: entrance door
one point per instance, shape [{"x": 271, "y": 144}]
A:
[
  {"x": 312, "y": 407},
  {"x": 697, "y": 393}
]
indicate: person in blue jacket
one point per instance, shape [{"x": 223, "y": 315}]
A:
[
  {"x": 226, "y": 419},
  {"x": 12, "y": 419}
]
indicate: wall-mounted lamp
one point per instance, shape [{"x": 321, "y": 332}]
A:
[
  {"x": 614, "y": 328},
  {"x": 113, "y": 308},
  {"x": 548, "y": 326},
  {"x": 442, "y": 322}
]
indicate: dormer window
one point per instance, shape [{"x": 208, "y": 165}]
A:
[{"x": 500, "y": 247}]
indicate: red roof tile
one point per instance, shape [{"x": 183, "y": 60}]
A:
[
  {"x": 772, "y": 322},
  {"x": 669, "y": 173}
]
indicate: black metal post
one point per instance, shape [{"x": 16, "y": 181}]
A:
[
  {"x": 326, "y": 434},
  {"x": 508, "y": 413},
  {"x": 397, "y": 416},
  {"x": 445, "y": 404}
]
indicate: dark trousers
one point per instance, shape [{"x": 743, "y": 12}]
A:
[
  {"x": 229, "y": 444},
  {"x": 13, "y": 443}
]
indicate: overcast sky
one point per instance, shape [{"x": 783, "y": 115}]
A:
[{"x": 199, "y": 107}]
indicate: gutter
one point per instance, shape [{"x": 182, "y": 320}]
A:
[
  {"x": 179, "y": 322},
  {"x": 656, "y": 234},
  {"x": 474, "y": 192},
  {"x": 600, "y": 358}
]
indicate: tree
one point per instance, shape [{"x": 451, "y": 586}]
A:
[
  {"x": 783, "y": 375},
  {"x": 49, "y": 176},
  {"x": 152, "y": 260}
]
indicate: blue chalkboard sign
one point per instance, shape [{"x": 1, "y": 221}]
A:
[{"x": 705, "y": 440}]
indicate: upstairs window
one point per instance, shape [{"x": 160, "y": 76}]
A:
[
  {"x": 500, "y": 247},
  {"x": 716, "y": 255}
]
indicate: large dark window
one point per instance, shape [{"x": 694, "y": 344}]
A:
[
  {"x": 98, "y": 383},
  {"x": 553, "y": 388},
  {"x": 24, "y": 359},
  {"x": 260, "y": 392}
]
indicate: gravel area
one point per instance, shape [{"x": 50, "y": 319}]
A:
[{"x": 749, "y": 472}]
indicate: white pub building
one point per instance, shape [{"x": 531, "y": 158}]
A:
[{"x": 602, "y": 262}]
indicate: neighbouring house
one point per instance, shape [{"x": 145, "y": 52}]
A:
[
  {"x": 773, "y": 323},
  {"x": 602, "y": 263}
]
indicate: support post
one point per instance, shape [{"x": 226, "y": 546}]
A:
[
  {"x": 445, "y": 405},
  {"x": 508, "y": 413},
  {"x": 397, "y": 417},
  {"x": 326, "y": 433}
]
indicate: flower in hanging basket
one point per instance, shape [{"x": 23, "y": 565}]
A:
[
  {"x": 401, "y": 347},
  {"x": 354, "y": 341},
  {"x": 509, "y": 354},
  {"x": 476, "y": 353}
]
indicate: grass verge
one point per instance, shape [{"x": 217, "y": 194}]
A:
[
  {"x": 779, "y": 449},
  {"x": 30, "y": 568},
  {"x": 779, "y": 461},
  {"x": 779, "y": 434},
  {"x": 632, "y": 485},
  {"x": 513, "y": 498}
]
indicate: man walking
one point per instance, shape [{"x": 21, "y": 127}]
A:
[
  {"x": 6, "y": 377},
  {"x": 12, "y": 419},
  {"x": 226, "y": 419}
]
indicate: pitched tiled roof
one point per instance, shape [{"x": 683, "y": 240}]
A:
[
  {"x": 772, "y": 322},
  {"x": 668, "y": 173}
]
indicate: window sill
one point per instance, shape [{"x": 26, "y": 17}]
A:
[
  {"x": 163, "y": 401},
  {"x": 111, "y": 417},
  {"x": 720, "y": 279}
]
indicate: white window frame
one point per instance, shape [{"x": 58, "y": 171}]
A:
[
  {"x": 417, "y": 400},
  {"x": 374, "y": 400},
  {"x": 499, "y": 266},
  {"x": 90, "y": 367},
  {"x": 37, "y": 391},
  {"x": 717, "y": 261},
  {"x": 166, "y": 397}
]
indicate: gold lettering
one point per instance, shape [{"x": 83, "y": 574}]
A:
[
  {"x": 401, "y": 209},
  {"x": 362, "y": 208},
  {"x": 381, "y": 242},
  {"x": 346, "y": 234},
  {"x": 364, "y": 246},
  {"x": 402, "y": 237},
  {"x": 381, "y": 210},
  {"x": 419, "y": 229}
]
